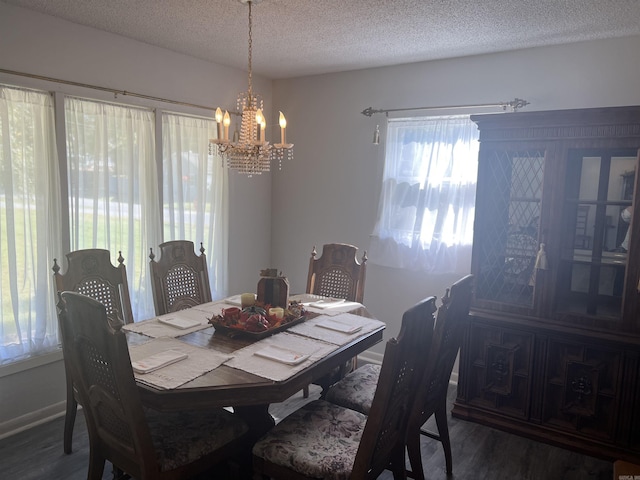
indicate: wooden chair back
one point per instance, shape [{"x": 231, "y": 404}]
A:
[
  {"x": 91, "y": 273},
  {"x": 383, "y": 440},
  {"x": 102, "y": 371},
  {"x": 337, "y": 273},
  {"x": 180, "y": 279},
  {"x": 431, "y": 398}
]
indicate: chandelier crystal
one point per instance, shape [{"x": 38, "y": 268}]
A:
[{"x": 250, "y": 153}]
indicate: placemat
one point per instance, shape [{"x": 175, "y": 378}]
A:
[
  {"x": 334, "y": 309},
  {"x": 311, "y": 329},
  {"x": 199, "y": 361},
  {"x": 154, "y": 329},
  {"x": 246, "y": 360}
]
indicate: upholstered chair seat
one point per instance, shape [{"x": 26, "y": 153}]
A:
[
  {"x": 181, "y": 438},
  {"x": 356, "y": 390},
  {"x": 320, "y": 440}
]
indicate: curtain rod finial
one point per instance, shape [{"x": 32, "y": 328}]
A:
[{"x": 516, "y": 104}]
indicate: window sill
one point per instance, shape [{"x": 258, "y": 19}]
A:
[{"x": 29, "y": 363}]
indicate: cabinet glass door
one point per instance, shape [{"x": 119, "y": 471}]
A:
[
  {"x": 595, "y": 236},
  {"x": 506, "y": 240}
]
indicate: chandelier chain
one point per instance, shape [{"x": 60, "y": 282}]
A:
[{"x": 250, "y": 52}]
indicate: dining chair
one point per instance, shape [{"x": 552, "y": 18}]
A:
[
  {"x": 337, "y": 273},
  {"x": 357, "y": 390},
  {"x": 143, "y": 443},
  {"x": 328, "y": 441},
  {"x": 451, "y": 322},
  {"x": 180, "y": 279},
  {"x": 90, "y": 272}
]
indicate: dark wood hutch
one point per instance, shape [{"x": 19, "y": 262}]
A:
[{"x": 552, "y": 351}]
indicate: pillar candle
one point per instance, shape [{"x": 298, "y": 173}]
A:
[
  {"x": 247, "y": 299},
  {"x": 277, "y": 312}
]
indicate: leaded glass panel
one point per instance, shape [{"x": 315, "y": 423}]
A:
[{"x": 508, "y": 239}]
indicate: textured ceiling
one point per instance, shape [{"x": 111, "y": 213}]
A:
[{"x": 304, "y": 37}]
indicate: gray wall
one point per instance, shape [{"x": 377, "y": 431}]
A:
[
  {"x": 46, "y": 46},
  {"x": 329, "y": 192}
]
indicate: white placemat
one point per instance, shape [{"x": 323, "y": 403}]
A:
[
  {"x": 234, "y": 300},
  {"x": 324, "y": 305},
  {"x": 311, "y": 329},
  {"x": 333, "y": 308},
  {"x": 199, "y": 361},
  {"x": 305, "y": 298},
  {"x": 246, "y": 360},
  {"x": 154, "y": 328}
]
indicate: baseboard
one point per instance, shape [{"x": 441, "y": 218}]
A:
[
  {"x": 370, "y": 357},
  {"x": 32, "y": 419}
]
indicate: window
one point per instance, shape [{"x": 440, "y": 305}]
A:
[
  {"x": 425, "y": 219},
  {"x": 29, "y": 223},
  {"x": 114, "y": 202},
  {"x": 194, "y": 192},
  {"x": 113, "y": 188}
]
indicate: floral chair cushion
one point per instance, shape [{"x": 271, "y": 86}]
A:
[
  {"x": 183, "y": 437},
  {"x": 319, "y": 440},
  {"x": 356, "y": 390}
]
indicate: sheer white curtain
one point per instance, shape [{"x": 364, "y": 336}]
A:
[
  {"x": 29, "y": 223},
  {"x": 195, "y": 192},
  {"x": 113, "y": 188},
  {"x": 427, "y": 202}
]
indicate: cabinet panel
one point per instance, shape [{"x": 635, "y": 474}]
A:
[
  {"x": 634, "y": 427},
  {"x": 582, "y": 392},
  {"x": 500, "y": 376}
]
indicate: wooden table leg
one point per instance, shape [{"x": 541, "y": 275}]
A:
[
  {"x": 260, "y": 422},
  {"x": 257, "y": 417}
]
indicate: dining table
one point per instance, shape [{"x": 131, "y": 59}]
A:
[{"x": 224, "y": 368}]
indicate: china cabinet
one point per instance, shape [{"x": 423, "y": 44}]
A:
[{"x": 552, "y": 351}]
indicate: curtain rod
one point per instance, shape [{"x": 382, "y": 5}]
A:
[
  {"x": 110, "y": 90},
  {"x": 514, "y": 104}
]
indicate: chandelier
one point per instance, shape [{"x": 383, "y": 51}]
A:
[{"x": 249, "y": 152}]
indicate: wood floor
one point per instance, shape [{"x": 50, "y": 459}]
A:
[{"x": 478, "y": 453}]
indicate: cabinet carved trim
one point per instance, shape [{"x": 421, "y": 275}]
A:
[
  {"x": 500, "y": 367},
  {"x": 567, "y": 132},
  {"x": 581, "y": 386}
]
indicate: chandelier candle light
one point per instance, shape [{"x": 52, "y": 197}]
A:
[{"x": 251, "y": 153}]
